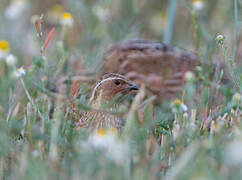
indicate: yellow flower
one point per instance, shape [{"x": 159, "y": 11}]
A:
[
  {"x": 67, "y": 19},
  {"x": 66, "y": 15},
  {"x": 21, "y": 69},
  {"x": 4, "y": 45},
  {"x": 220, "y": 37},
  {"x": 101, "y": 132},
  {"x": 178, "y": 105},
  {"x": 20, "y": 72},
  {"x": 177, "y": 102},
  {"x": 4, "y": 48},
  {"x": 103, "y": 138},
  {"x": 108, "y": 142}
]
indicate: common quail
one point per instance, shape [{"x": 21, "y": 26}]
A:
[
  {"x": 160, "y": 67},
  {"x": 105, "y": 91}
]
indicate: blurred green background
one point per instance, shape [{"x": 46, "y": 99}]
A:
[
  {"x": 98, "y": 24},
  {"x": 34, "y": 145}
]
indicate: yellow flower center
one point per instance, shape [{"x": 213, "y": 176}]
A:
[
  {"x": 219, "y": 37},
  {"x": 4, "y": 45},
  {"x": 177, "y": 102},
  {"x": 101, "y": 132},
  {"x": 66, "y": 15},
  {"x": 20, "y": 69}
]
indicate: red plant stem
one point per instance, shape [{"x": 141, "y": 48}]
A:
[
  {"x": 37, "y": 27},
  {"x": 47, "y": 40}
]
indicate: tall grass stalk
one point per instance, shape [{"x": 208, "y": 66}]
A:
[
  {"x": 1, "y": 168},
  {"x": 231, "y": 67},
  {"x": 195, "y": 30},
  {"x": 182, "y": 162},
  {"x": 31, "y": 100},
  {"x": 171, "y": 20},
  {"x": 57, "y": 117},
  {"x": 235, "y": 28}
]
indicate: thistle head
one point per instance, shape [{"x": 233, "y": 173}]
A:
[{"x": 112, "y": 85}]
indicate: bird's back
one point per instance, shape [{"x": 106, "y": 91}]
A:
[
  {"x": 146, "y": 56},
  {"x": 159, "y": 66}
]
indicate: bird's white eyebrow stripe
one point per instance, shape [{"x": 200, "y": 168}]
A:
[{"x": 104, "y": 80}]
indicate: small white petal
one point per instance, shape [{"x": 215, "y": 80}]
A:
[
  {"x": 101, "y": 13},
  {"x": 67, "y": 20},
  {"x": 36, "y": 153},
  {"x": 3, "y": 54},
  {"x": 189, "y": 76},
  {"x": 184, "y": 107},
  {"x": 20, "y": 72},
  {"x": 15, "y": 9},
  {"x": 220, "y": 37},
  {"x": 11, "y": 60},
  {"x": 198, "y": 5}
]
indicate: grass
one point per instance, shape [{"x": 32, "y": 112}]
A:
[{"x": 38, "y": 138}]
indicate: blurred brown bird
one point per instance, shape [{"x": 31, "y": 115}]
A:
[
  {"x": 160, "y": 67},
  {"x": 105, "y": 91}
]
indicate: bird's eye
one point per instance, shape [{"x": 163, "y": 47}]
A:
[{"x": 117, "y": 82}]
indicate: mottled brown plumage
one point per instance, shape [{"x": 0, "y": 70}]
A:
[
  {"x": 160, "y": 67},
  {"x": 105, "y": 91}
]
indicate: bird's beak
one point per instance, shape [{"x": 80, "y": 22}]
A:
[{"x": 133, "y": 87}]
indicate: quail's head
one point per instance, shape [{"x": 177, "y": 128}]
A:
[{"x": 112, "y": 85}]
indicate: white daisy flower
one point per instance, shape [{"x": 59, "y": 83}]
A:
[
  {"x": 66, "y": 20},
  {"x": 220, "y": 39},
  {"x": 20, "y": 72},
  {"x": 108, "y": 142},
  {"x": 11, "y": 60},
  {"x": 198, "y": 4},
  {"x": 177, "y": 105},
  {"x": 101, "y": 12},
  {"x": 4, "y": 48},
  {"x": 15, "y": 9},
  {"x": 103, "y": 138},
  {"x": 189, "y": 76}
]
